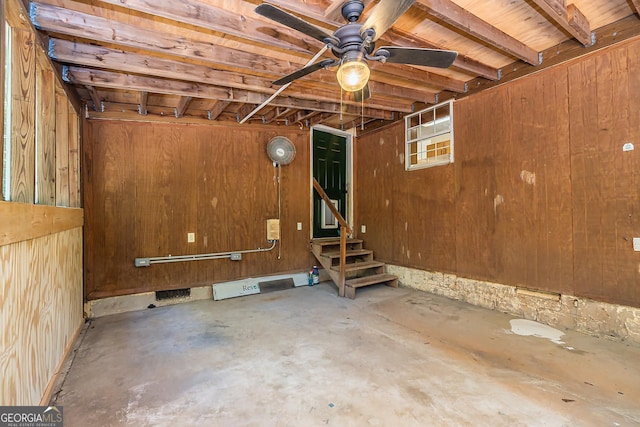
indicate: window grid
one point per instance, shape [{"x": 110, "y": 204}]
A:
[{"x": 429, "y": 137}]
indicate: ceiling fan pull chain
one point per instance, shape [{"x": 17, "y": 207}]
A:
[
  {"x": 341, "y": 92},
  {"x": 362, "y": 109}
]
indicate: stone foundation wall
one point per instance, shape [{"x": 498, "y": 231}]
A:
[{"x": 560, "y": 311}]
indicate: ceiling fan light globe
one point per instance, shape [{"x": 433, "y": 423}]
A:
[{"x": 353, "y": 75}]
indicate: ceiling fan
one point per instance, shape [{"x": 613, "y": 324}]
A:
[{"x": 353, "y": 44}]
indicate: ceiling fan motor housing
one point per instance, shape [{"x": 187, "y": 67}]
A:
[
  {"x": 350, "y": 39},
  {"x": 352, "y": 10}
]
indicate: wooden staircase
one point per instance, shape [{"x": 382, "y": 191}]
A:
[{"x": 360, "y": 267}]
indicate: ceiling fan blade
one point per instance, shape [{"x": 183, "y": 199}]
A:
[
  {"x": 362, "y": 95},
  {"x": 304, "y": 71},
  {"x": 291, "y": 21},
  {"x": 385, "y": 14},
  {"x": 418, "y": 56}
]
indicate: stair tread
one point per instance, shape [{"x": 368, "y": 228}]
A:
[
  {"x": 370, "y": 280},
  {"x": 325, "y": 241},
  {"x": 353, "y": 266},
  {"x": 354, "y": 252}
]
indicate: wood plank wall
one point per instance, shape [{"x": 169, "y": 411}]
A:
[
  {"x": 40, "y": 311},
  {"x": 149, "y": 184},
  {"x": 541, "y": 194},
  {"x": 41, "y": 308}
]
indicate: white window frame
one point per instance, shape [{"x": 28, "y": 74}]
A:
[{"x": 414, "y": 135}]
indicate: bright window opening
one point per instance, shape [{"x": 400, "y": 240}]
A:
[{"x": 429, "y": 137}]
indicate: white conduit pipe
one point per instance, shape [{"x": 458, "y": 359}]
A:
[
  {"x": 146, "y": 262},
  {"x": 261, "y": 106}
]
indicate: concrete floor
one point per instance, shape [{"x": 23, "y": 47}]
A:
[{"x": 304, "y": 357}]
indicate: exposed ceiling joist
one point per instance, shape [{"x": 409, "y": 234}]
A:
[
  {"x": 463, "y": 62},
  {"x": 465, "y": 21},
  {"x": 204, "y": 15},
  {"x": 77, "y": 24},
  {"x": 108, "y": 79},
  {"x": 93, "y": 93},
  {"x": 223, "y": 56},
  {"x": 217, "y": 109},
  {"x": 182, "y": 105},
  {"x": 569, "y": 18}
]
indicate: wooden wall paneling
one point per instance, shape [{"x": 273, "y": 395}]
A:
[
  {"x": 378, "y": 165},
  {"x": 400, "y": 202},
  {"x": 296, "y": 184},
  {"x": 3, "y": 27},
  {"x": 45, "y": 132},
  {"x": 511, "y": 245},
  {"x": 23, "y": 117},
  {"x": 62, "y": 148},
  {"x": 528, "y": 174},
  {"x": 151, "y": 184},
  {"x": 74, "y": 156},
  {"x": 607, "y": 106},
  {"x": 622, "y": 263},
  {"x": 26, "y": 221},
  {"x": 478, "y": 195},
  {"x": 207, "y": 203},
  {"x": 628, "y": 192},
  {"x": 553, "y": 180},
  {"x": 584, "y": 166},
  {"x": 185, "y": 188},
  {"x": 154, "y": 168},
  {"x": 41, "y": 285},
  {"x": 91, "y": 217},
  {"x": 118, "y": 201},
  {"x": 431, "y": 228}
]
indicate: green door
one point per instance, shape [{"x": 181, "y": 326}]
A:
[{"x": 330, "y": 169}]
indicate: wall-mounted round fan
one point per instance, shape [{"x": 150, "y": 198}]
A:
[
  {"x": 281, "y": 150},
  {"x": 353, "y": 44}
]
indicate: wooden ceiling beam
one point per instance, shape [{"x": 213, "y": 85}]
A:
[
  {"x": 58, "y": 20},
  {"x": 101, "y": 57},
  {"x": 318, "y": 119},
  {"x": 462, "y": 19},
  {"x": 183, "y": 104},
  {"x": 93, "y": 94},
  {"x": 83, "y": 25},
  {"x": 462, "y": 62},
  {"x": 204, "y": 15},
  {"x": 109, "y": 79},
  {"x": 636, "y": 5},
  {"x": 384, "y": 71},
  {"x": 214, "y": 112},
  {"x": 314, "y": 12},
  {"x": 569, "y": 18},
  {"x": 243, "y": 111}
]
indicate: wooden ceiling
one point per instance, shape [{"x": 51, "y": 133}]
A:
[{"x": 215, "y": 59}]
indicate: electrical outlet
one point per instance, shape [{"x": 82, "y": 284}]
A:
[
  {"x": 636, "y": 244},
  {"x": 299, "y": 226},
  {"x": 363, "y": 229},
  {"x": 191, "y": 237}
]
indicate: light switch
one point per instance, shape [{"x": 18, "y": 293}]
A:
[
  {"x": 191, "y": 237},
  {"x": 636, "y": 244},
  {"x": 363, "y": 228},
  {"x": 299, "y": 226}
]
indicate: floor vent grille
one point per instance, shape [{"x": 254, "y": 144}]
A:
[{"x": 173, "y": 293}]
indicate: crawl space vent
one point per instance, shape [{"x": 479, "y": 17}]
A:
[{"x": 173, "y": 293}]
